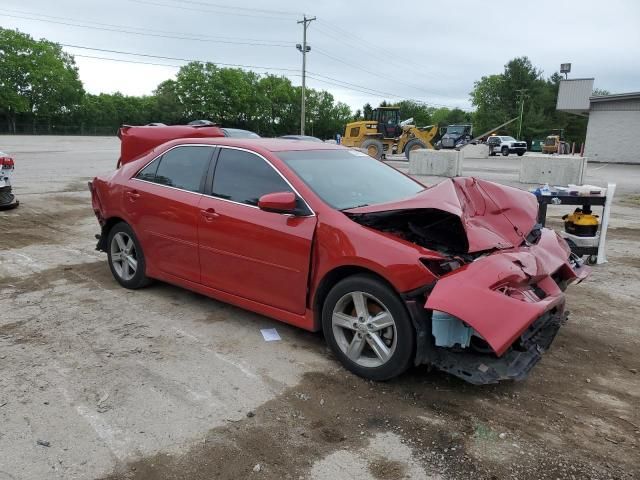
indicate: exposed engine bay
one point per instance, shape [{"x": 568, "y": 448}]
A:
[{"x": 430, "y": 228}]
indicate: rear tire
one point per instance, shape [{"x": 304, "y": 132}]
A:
[
  {"x": 411, "y": 145},
  {"x": 367, "y": 327},
  {"x": 374, "y": 148},
  {"x": 125, "y": 257},
  {"x": 505, "y": 151}
]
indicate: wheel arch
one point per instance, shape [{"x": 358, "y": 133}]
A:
[
  {"x": 106, "y": 228},
  {"x": 331, "y": 278}
]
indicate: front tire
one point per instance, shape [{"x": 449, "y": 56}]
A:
[
  {"x": 520, "y": 154},
  {"x": 368, "y": 328},
  {"x": 411, "y": 145},
  {"x": 505, "y": 151},
  {"x": 126, "y": 259},
  {"x": 374, "y": 148}
]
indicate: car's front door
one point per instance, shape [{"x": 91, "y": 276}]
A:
[
  {"x": 162, "y": 204},
  {"x": 258, "y": 255}
]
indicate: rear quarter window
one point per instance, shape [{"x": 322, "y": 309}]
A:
[{"x": 181, "y": 167}]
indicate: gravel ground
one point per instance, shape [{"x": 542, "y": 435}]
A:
[{"x": 100, "y": 382}]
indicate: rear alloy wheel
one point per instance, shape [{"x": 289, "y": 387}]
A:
[
  {"x": 412, "y": 145},
  {"x": 126, "y": 259},
  {"x": 373, "y": 147},
  {"x": 368, "y": 328}
]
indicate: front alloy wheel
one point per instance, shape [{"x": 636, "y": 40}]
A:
[
  {"x": 364, "y": 329},
  {"x": 368, "y": 328}
]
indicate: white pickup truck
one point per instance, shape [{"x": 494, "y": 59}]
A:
[{"x": 505, "y": 145}]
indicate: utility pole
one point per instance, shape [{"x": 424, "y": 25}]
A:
[
  {"x": 521, "y": 97},
  {"x": 304, "y": 48}
]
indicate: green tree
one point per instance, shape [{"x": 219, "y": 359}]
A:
[
  {"x": 37, "y": 79},
  {"x": 497, "y": 100}
]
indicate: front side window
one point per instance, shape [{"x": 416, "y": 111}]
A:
[
  {"x": 244, "y": 177},
  {"x": 180, "y": 167}
]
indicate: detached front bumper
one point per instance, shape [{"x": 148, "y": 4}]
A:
[
  {"x": 512, "y": 300},
  {"x": 481, "y": 369}
]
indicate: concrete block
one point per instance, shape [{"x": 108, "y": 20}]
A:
[
  {"x": 475, "y": 151},
  {"x": 553, "y": 169},
  {"x": 439, "y": 163}
]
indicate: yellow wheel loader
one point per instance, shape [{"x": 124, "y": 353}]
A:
[{"x": 385, "y": 134}]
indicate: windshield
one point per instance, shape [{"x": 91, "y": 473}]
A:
[
  {"x": 347, "y": 178},
  {"x": 455, "y": 129},
  {"x": 508, "y": 139}
]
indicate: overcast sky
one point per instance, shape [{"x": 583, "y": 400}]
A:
[{"x": 428, "y": 51}]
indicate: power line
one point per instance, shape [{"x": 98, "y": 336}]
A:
[
  {"x": 360, "y": 90},
  {"x": 356, "y": 87},
  {"x": 131, "y": 27},
  {"x": 220, "y": 5},
  {"x": 315, "y": 76},
  {"x": 120, "y": 30},
  {"x": 147, "y": 63},
  {"x": 177, "y": 58},
  {"x": 218, "y": 10},
  {"x": 365, "y": 42},
  {"x": 324, "y": 78},
  {"x": 309, "y": 74},
  {"x": 127, "y": 61},
  {"x": 362, "y": 46},
  {"x": 377, "y": 74}
]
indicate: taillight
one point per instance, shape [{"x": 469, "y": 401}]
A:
[{"x": 6, "y": 162}]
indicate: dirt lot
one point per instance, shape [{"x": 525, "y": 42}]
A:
[{"x": 100, "y": 382}]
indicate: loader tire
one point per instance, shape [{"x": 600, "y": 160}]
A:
[
  {"x": 411, "y": 145},
  {"x": 373, "y": 147}
]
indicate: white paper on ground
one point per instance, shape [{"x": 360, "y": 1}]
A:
[{"x": 270, "y": 334}]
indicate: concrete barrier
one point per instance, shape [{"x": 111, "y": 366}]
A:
[
  {"x": 553, "y": 169},
  {"x": 475, "y": 151},
  {"x": 438, "y": 163}
]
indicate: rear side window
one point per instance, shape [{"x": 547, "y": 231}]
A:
[
  {"x": 244, "y": 177},
  {"x": 148, "y": 173},
  {"x": 181, "y": 167}
]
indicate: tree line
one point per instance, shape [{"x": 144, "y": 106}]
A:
[{"x": 40, "y": 92}]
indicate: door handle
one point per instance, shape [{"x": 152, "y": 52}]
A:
[
  {"x": 133, "y": 195},
  {"x": 209, "y": 214}
]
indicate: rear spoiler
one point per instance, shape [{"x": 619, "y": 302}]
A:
[{"x": 135, "y": 141}]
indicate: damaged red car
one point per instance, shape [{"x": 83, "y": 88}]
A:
[{"x": 458, "y": 275}]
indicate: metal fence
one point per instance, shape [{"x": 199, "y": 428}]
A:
[{"x": 56, "y": 129}]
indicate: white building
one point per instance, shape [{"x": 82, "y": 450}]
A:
[{"x": 613, "y": 129}]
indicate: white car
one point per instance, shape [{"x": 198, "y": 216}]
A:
[
  {"x": 506, "y": 145},
  {"x": 7, "y": 198}
]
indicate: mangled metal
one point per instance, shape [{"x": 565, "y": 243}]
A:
[{"x": 497, "y": 301}]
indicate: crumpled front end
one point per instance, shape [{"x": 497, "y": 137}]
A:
[{"x": 492, "y": 319}]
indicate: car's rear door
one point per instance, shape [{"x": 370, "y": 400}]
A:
[
  {"x": 162, "y": 204},
  {"x": 258, "y": 255}
]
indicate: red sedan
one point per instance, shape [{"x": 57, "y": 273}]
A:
[{"x": 319, "y": 236}]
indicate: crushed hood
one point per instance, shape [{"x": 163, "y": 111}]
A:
[{"x": 492, "y": 215}]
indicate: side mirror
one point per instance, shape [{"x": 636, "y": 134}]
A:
[{"x": 279, "y": 202}]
